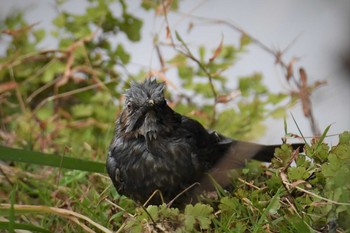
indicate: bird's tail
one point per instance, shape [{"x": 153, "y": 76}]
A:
[{"x": 236, "y": 155}]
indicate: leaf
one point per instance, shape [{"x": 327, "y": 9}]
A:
[
  {"x": 252, "y": 84},
  {"x": 276, "y": 98},
  {"x": 278, "y": 112},
  {"x": 304, "y": 93},
  {"x": 344, "y": 138},
  {"x": 60, "y": 20},
  {"x": 51, "y": 70},
  {"x": 201, "y": 51},
  {"x": 199, "y": 213},
  {"x": 34, "y": 157},
  {"x": 244, "y": 40},
  {"x": 217, "y": 50},
  {"x": 39, "y": 34},
  {"x": 132, "y": 27},
  {"x": 324, "y": 134},
  {"x": 82, "y": 110},
  {"x": 186, "y": 73},
  {"x": 179, "y": 38},
  {"x": 275, "y": 206},
  {"x": 297, "y": 173},
  {"x": 123, "y": 55},
  {"x": 271, "y": 206}
]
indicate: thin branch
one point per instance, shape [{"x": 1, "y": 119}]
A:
[
  {"x": 249, "y": 184},
  {"x": 188, "y": 54},
  {"x": 65, "y": 94},
  {"x": 40, "y": 89},
  {"x": 157, "y": 191},
  {"x": 320, "y": 197},
  {"x": 181, "y": 193},
  {"x": 119, "y": 207},
  {"x": 288, "y": 68}
]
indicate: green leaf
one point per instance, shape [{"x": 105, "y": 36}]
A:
[
  {"x": 244, "y": 41},
  {"x": 82, "y": 110},
  {"x": 34, "y": 157},
  {"x": 344, "y": 138},
  {"x": 251, "y": 84},
  {"x": 278, "y": 112},
  {"x": 271, "y": 207},
  {"x": 132, "y": 27},
  {"x": 275, "y": 206},
  {"x": 186, "y": 73},
  {"x": 324, "y": 134},
  {"x": 202, "y": 54},
  {"x": 51, "y": 70},
  {"x": 276, "y": 98},
  {"x": 45, "y": 113},
  {"x": 122, "y": 54},
  {"x": 199, "y": 213},
  {"x": 297, "y": 173},
  {"x": 60, "y": 20},
  {"x": 39, "y": 35}
]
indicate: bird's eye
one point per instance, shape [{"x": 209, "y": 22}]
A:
[
  {"x": 129, "y": 105},
  {"x": 162, "y": 102}
]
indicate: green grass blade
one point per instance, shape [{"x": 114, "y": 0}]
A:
[
  {"x": 320, "y": 141},
  {"x": 299, "y": 130},
  {"x": 258, "y": 226},
  {"x": 11, "y": 223},
  {"x": 35, "y": 157}
]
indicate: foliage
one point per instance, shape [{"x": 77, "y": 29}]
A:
[
  {"x": 310, "y": 196},
  {"x": 65, "y": 101}
]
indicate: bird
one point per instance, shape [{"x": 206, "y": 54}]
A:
[{"x": 155, "y": 149}]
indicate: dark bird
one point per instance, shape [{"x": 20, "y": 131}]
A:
[{"x": 155, "y": 148}]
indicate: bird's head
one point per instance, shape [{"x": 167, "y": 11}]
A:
[{"x": 145, "y": 111}]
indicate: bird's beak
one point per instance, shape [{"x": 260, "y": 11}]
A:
[{"x": 151, "y": 102}]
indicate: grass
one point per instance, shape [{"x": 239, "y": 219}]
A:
[{"x": 51, "y": 196}]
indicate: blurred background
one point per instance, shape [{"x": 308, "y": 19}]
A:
[{"x": 317, "y": 33}]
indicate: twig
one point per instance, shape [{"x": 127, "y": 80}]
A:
[
  {"x": 153, "y": 194},
  {"x": 283, "y": 171},
  {"x": 15, "y": 32},
  {"x": 318, "y": 196},
  {"x": 70, "y": 57},
  {"x": 249, "y": 184},
  {"x": 118, "y": 207},
  {"x": 153, "y": 222},
  {"x": 288, "y": 68},
  {"x": 189, "y": 54},
  {"x": 181, "y": 193},
  {"x": 86, "y": 228},
  {"x": 40, "y": 89},
  {"x": 65, "y": 94}
]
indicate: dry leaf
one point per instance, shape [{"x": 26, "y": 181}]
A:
[
  {"x": 217, "y": 50},
  {"x": 167, "y": 32},
  {"x": 304, "y": 93}
]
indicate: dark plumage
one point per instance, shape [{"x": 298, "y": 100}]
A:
[{"x": 155, "y": 148}]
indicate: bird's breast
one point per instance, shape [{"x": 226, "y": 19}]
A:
[{"x": 166, "y": 164}]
